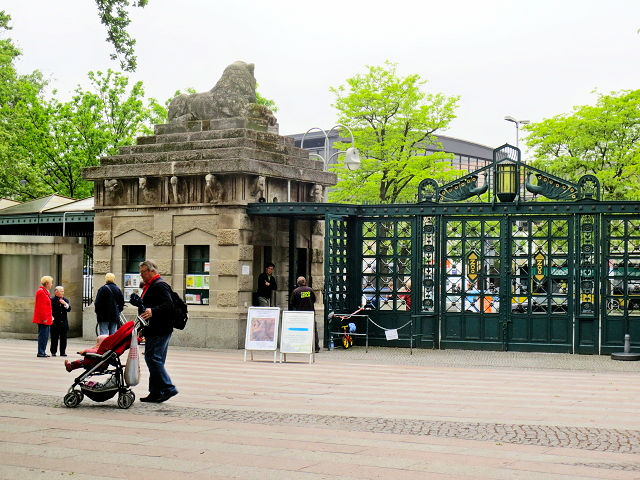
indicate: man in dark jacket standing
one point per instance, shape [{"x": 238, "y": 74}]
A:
[
  {"x": 156, "y": 296},
  {"x": 266, "y": 285},
  {"x": 59, "y": 307},
  {"x": 303, "y": 298}
]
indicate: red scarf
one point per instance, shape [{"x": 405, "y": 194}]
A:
[{"x": 147, "y": 285}]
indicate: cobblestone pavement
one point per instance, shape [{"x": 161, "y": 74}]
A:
[
  {"x": 602, "y": 439},
  {"x": 384, "y": 414}
]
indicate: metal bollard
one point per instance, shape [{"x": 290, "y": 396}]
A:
[{"x": 626, "y": 355}]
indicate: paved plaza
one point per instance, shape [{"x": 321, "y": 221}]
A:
[{"x": 384, "y": 414}]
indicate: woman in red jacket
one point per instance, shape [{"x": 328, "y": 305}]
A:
[{"x": 42, "y": 314}]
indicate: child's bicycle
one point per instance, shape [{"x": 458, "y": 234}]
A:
[
  {"x": 347, "y": 339},
  {"x": 347, "y": 328}
]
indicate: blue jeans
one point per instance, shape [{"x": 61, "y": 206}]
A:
[
  {"x": 43, "y": 338},
  {"x": 107, "y": 328},
  {"x": 155, "y": 354}
]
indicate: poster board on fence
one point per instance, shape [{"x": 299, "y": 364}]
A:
[
  {"x": 262, "y": 328},
  {"x": 297, "y": 332}
]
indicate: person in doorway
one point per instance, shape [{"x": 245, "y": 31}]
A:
[
  {"x": 42, "y": 314},
  {"x": 266, "y": 285},
  {"x": 60, "y": 306},
  {"x": 108, "y": 305},
  {"x": 156, "y": 297},
  {"x": 303, "y": 299}
]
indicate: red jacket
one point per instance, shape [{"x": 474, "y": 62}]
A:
[{"x": 42, "y": 311}]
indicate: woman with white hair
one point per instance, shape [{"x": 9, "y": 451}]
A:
[
  {"x": 42, "y": 314},
  {"x": 108, "y": 305}
]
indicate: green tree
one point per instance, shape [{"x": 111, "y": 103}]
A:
[
  {"x": 393, "y": 121},
  {"x": 601, "y": 140},
  {"x": 61, "y": 138},
  {"x": 114, "y": 15},
  {"x": 21, "y": 100}
]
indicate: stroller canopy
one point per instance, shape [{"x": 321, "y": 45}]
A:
[{"x": 119, "y": 341}]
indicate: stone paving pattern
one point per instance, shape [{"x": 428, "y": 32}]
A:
[{"x": 351, "y": 415}]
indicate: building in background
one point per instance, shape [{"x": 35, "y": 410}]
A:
[{"x": 469, "y": 156}]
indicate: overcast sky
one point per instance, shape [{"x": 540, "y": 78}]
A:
[{"x": 528, "y": 59}]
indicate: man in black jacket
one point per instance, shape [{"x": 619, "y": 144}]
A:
[
  {"x": 59, "y": 307},
  {"x": 156, "y": 296},
  {"x": 303, "y": 299},
  {"x": 266, "y": 285}
]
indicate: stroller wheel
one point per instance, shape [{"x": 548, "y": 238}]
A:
[
  {"x": 126, "y": 399},
  {"x": 72, "y": 399}
]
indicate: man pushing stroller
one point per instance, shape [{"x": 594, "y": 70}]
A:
[{"x": 157, "y": 309}]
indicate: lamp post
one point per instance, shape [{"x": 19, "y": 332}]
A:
[
  {"x": 509, "y": 118},
  {"x": 352, "y": 156}
]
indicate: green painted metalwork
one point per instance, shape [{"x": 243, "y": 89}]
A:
[
  {"x": 620, "y": 270},
  {"x": 336, "y": 264}
]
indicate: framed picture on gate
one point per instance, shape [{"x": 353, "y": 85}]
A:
[{"x": 262, "y": 328}]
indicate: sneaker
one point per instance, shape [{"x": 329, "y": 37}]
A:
[
  {"x": 150, "y": 399},
  {"x": 166, "y": 396},
  {"x": 53, "y": 354},
  {"x": 43, "y": 355},
  {"x": 63, "y": 354}
]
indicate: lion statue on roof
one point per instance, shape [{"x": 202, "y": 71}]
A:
[{"x": 233, "y": 96}]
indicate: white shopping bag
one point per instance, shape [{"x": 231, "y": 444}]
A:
[{"x": 132, "y": 369}]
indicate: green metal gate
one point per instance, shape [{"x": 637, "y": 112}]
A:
[
  {"x": 506, "y": 283},
  {"x": 504, "y": 258},
  {"x": 387, "y": 265},
  {"x": 621, "y": 286}
]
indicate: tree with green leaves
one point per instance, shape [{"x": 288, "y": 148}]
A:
[
  {"x": 393, "y": 122},
  {"x": 115, "y": 16},
  {"x": 53, "y": 141},
  {"x": 21, "y": 100},
  {"x": 601, "y": 140},
  {"x": 94, "y": 123}
]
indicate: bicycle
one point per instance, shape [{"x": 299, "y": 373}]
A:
[
  {"x": 347, "y": 340},
  {"x": 347, "y": 328}
]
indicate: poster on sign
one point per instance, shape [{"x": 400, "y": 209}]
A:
[
  {"x": 262, "y": 328},
  {"x": 297, "y": 332}
]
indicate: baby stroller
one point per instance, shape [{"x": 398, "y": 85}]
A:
[{"x": 104, "y": 373}]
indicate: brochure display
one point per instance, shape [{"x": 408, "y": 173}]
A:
[
  {"x": 198, "y": 289},
  {"x": 131, "y": 284},
  {"x": 262, "y": 330},
  {"x": 297, "y": 334}
]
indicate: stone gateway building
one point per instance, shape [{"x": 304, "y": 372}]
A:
[{"x": 180, "y": 197}]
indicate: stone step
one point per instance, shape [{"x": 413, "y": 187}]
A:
[
  {"x": 296, "y": 158},
  {"x": 261, "y": 143},
  {"x": 214, "y": 135}
]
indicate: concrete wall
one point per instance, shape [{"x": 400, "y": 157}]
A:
[{"x": 64, "y": 265}]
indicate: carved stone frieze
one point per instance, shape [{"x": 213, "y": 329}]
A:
[{"x": 213, "y": 189}]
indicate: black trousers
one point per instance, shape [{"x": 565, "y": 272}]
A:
[{"x": 59, "y": 331}]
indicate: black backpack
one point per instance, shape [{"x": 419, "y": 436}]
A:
[{"x": 180, "y": 311}]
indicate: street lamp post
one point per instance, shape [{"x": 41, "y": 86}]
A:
[
  {"x": 509, "y": 118},
  {"x": 352, "y": 156}
]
